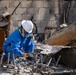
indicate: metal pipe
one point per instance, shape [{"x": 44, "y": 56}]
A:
[
  {"x": 58, "y": 60},
  {"x": 37, "y": 61},
  {"x": 14, "y": 60},
  {"x": 2, "y": 58},
  {"x": 8, "y": 57},
  {"x": 49, "y": 62},
  {"x": 41, "y": 58}
]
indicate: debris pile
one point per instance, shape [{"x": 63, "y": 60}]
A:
[{"x": 39, "y": 65}]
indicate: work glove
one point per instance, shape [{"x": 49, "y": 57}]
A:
[
  {"x": 25, "y": 55},
  {"x": 30, "y": 57}
]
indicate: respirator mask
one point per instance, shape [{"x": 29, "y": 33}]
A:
[{"x": 25, "y": 35}]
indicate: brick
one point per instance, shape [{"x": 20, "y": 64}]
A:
[
  {"x": 43, "y": 11},
  {"x": 14, "y": 4},
  {"x": 43, "y": 23},
  {"x": 16, "y": 17},
  {"x": 53, "y": 23},
  {"x": 38, "y": 17},
  {"x": 49, "y": 4},
  {"x": 48, "y": 17},
  {"x": 52, "y": 17},
  {"x": 40, "y": 30},
  {"x": 26, "y": 3},
  {"x": 46, "y": 4},
  {"x": 56, "y": 4},
  {"x": 49, "y": 23},
  {"x": 32, "y": 10},
  {"x": 21, "y": 11},
  {"x": 41, "y": 26},
  {"x": 4, "y": 3},
  {"x": 15, "y": 23},
  {"x": 11, "y": 10},
  {"x": 56, "y": 10},
  {"x": 26, "y": 16},
  {"x": 38, "y": 3},
  {"x": 42, "y": 14}
]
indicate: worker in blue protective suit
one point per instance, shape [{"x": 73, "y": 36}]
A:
[{"x": 19, "y": 42}]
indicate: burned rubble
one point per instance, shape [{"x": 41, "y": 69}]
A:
[{"x": 54, "y": 55}]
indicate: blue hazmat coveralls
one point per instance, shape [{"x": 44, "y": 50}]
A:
[{"x": 15, "y": 44}]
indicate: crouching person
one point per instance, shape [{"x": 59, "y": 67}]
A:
[{"x": 19, "y": 42}]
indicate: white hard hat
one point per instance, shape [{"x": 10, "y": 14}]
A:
[{"x": 27, "y": 25}]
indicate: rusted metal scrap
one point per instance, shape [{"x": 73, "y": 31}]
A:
[{"x": 63, "y": 36}]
